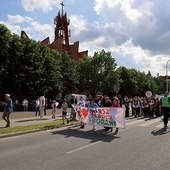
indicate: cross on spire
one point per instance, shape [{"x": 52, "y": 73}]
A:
[{"x": 62, "y": 8}]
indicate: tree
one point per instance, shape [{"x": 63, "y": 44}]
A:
[
  {"x": 69, "y": 72},
  {"x": 28, "y": 67},
  {"x": 136, "y": 83},
  {"x": 128, "y": 84},
  {"x": 97, "y": 73},
  {"x": 5, "y": 40},
  {"x": 42, "y": 66},
  {"x": 161, "y": 83}
]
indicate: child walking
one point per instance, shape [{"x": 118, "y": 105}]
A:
[
  {"x": 54, "y": 108},
  {"x": 64, "y": 107}
]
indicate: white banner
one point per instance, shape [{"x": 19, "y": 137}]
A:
[{"x": 106, "y": 116}]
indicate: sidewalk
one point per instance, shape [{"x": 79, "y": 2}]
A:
[{"x": 29, "y": 118}]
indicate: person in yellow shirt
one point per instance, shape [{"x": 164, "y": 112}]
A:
[{"x": 165, "y": 103}]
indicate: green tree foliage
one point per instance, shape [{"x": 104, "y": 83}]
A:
[
  {"x": 128, "y": 83},
  {"x": 161, "y": 83},
  {"x": 5, "y": 40},
  {"x": 31, "y": 68},
  {"x": 136, "y": 83},
  {"x": 69, "y": 73},
  {"x": 97, "y": 73}
]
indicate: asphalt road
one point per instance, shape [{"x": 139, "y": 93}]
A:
[{"x": 142, "y": 145}]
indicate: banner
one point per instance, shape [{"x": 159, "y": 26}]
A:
[
  {"x": 81, "y": 113},
  {"x": 106, "y": 116}
]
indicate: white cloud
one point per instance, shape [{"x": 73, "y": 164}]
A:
[
  {"x": 45, "y": 5},
  {"x": 33, "y": 29},
  {"x": 41, "y": 31},
  {"x": 78, "y": 24},
  {"x": 135, "y": 31},
  {"x": 15, "y": 19},
  {"x": 13, "y": 28}
]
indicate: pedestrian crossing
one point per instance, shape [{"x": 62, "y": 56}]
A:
[{"x": 158, "y": 122}]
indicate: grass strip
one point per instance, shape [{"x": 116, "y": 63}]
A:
[{"x": 44, "y": 126}]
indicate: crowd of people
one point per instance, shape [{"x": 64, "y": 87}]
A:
[
  {"x": 106, "y": 102},
  {"x": 135, "y": 106},
  {"x": 146, "y": 107},
  {"x": 143, "y": 106}
]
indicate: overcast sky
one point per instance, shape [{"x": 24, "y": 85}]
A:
[{"x": 137, "y": 32}]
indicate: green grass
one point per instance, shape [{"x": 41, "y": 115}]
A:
[{"x": 43, "y": 126}]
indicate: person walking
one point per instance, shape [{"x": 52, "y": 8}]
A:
[
  {"x": 127, "y": 106},
  {"x": 165, "y": 103},
  {"x": 37, "y": 107},
  {"x": 64, "y": 107},
  {"x": 93, "y": 105},
  {"x": 23, "y": 105},
  {"x": 136, "y": 106},
  {"x": 157, "y": 108},
  {"x": 45, "y": 107},
  {"x": 81, "y": 103},
  {"x": 8, "y": 109},
  {"x": 54, "y": 108},
  {"x": 107, "y": 103},
  {"x": 73, "y": 102},
  {"x": 42, "y": 105},
  {"x": 145, "y": 107},
  {"x": 115, "y": 104},
  {"x": 26, "y": 104}
]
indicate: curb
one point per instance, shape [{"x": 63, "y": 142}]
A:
[{"x": 36, "y": 130}]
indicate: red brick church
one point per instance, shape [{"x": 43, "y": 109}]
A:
[{"x": 62, "y": 34}]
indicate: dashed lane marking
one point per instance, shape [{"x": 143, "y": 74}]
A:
[{"x": 83, "y": 147}]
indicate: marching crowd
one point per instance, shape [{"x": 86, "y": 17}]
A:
[
  {"x": 143, "y": 106},
  {"x": 135, "y": 106},
  {"x": 148, "y": 107}
]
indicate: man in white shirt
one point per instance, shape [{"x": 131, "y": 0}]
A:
[
  {"x": 26, "y": 104},
  {"x": 42, "y": 105},
  {"x": 37, "y": 107},
  {"x": 81, "y": 102}
]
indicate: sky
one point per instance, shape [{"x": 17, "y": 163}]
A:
[{"x": 136, "y": 32}]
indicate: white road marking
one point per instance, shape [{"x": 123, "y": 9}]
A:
[
  {"x": 83, "y": 147},
  {"x": 134, "y": 122},
  {"x": 150, "y": 122},
  {"x": 160, "y": 125}
]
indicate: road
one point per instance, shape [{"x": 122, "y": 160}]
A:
[{"x": 142, "y": 145}]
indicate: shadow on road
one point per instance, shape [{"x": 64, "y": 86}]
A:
[
  {"x": 162, "y": 131},
  {"x": 98, "y": 135},
  {"x": 30, "y": 120}
]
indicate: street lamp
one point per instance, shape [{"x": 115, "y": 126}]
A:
[{"x": 167, "y": 76}]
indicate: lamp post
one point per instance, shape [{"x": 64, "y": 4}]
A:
[{"x": 167, "y": 76}]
